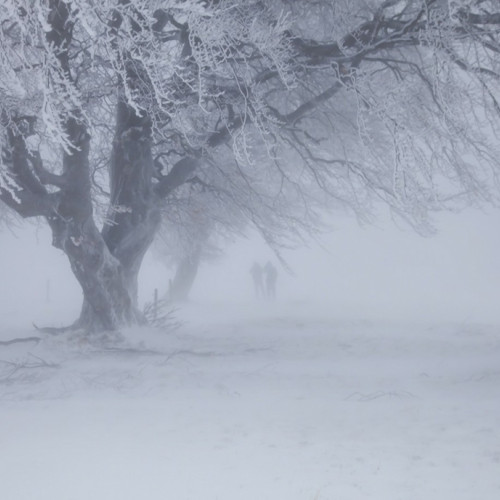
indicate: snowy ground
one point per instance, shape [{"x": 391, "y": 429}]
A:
[{"x": 280, "y": 402}]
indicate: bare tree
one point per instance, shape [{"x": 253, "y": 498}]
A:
[{"x": 269, "y": 101}]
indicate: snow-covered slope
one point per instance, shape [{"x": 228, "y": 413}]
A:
[{"x": 261, "y": 402}]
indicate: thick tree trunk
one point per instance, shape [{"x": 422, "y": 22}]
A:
[
  {"x": 134, "y": 216},
  {"x": 107, "y": 265},
  {"x": 108, "y": 301}
]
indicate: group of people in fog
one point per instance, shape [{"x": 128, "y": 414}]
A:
[{"x": 264, "y": 279}]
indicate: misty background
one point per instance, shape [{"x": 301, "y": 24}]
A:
[{"x": 381, "y": 271}]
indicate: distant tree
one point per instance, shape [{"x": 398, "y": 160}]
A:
[
  {"x": 189, "y": 233},
  {"x": 281, "y": 106}
]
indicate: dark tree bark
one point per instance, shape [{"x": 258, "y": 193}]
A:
[
  {"x": 107, "y": 264},
  {"x": 134, "y": 215},
  {"x": 107, "y": 301}
]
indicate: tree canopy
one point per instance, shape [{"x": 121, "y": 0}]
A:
[{"x": 269, "y": 109}]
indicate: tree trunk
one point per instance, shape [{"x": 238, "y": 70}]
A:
[
  {"x": 108, "y": 301},
  {"x": 134, "y": 217},
  {"x": 107, "y": 265},
  {"x": 185, "y": 275}
]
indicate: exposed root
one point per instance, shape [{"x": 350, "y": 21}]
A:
[
  {"x": 158, "y": 314},
  {"x": 19, "y": 340},
  {"x": 53, "y": 330}
]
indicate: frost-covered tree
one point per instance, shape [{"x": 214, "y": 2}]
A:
[{"x": 267, "y": 100}]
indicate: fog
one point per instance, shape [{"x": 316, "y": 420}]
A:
[
  {"x": 380, "y": 271},
  {"x": 374, "y": 374}
]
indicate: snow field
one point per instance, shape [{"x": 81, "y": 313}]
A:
[{"x": 272, "y": 402}]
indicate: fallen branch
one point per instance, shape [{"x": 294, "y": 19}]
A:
[
  {"x": 19, "y": 370},
  {"x": 379, "y": 394}
]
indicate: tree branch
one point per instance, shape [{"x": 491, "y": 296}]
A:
[
  {"x": 485, "y": 18},
  {"x": 179, "y": 174},
  {"x": 45, "y": 176}
]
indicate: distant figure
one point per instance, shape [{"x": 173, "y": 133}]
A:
[
  {"x": 271, "y": 276},
  {"x": 256, "y": 272}
]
